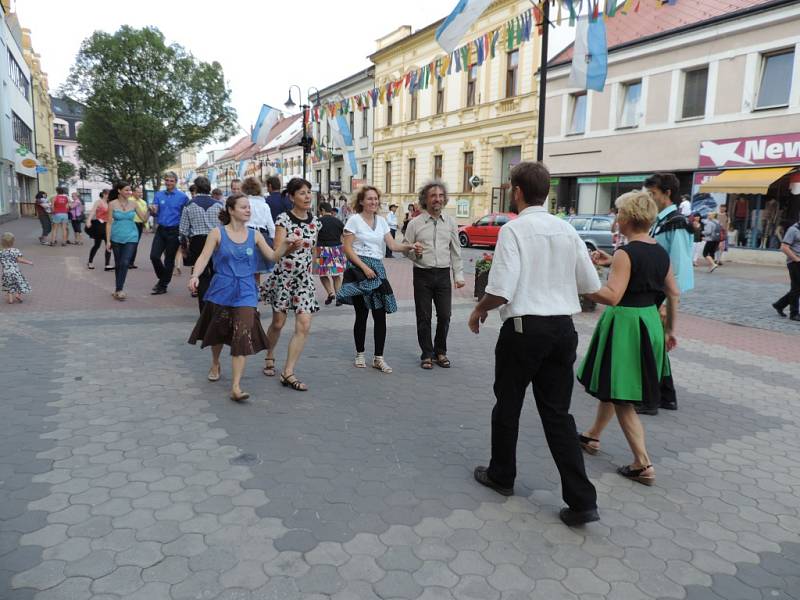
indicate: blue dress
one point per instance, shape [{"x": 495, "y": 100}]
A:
[{"x": 235, "y": 264}]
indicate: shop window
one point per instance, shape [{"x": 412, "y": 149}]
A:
[
  {"x": 512, "y": 64},
  {"x": 412, "y": 175},
  {"x": 695, "y": 86},
  {"x": 469, "y": 163},
  {"x": 631, "y": 96},
  {"x": 577, "y": 122},
  {"x": 414, "y": 106},
  {"x": 472, "y": 84},
  {"x": 388, "y": 172},
  {"x": 437, "y": 167},
  {"x": 776, "y": 79},
  {"x": 439, "y": 95}
]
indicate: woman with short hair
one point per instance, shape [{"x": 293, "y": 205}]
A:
[
  {"x": 260, "y": 220},
  {"x": 330, "y": 260},
  {"x": 627, "y": 357}
]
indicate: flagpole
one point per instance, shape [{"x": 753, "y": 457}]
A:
[{"x": 543, "y": 81}]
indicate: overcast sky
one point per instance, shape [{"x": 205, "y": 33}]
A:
[{"x": 263, "y": 46}]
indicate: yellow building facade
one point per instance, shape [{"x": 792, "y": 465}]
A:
[
  {"x": 467, "y": 128},
  {"x": 43, "y": 118}
]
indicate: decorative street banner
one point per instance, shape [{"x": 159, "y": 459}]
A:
[
  {"x": 458, "y": 23},
  {"x": 779, "y": 149},
  {"x": 589, "y": 55},
  {"x": 267, "y": 119}
]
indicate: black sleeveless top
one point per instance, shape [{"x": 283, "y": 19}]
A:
[{"x": 649, "y": 268}]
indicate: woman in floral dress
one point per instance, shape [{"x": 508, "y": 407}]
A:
[
  {"x": 291, "y": 284},
  {"x": 14, "y": 282}
]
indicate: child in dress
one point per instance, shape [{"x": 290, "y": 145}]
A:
[{"x": 14, "y": 283}]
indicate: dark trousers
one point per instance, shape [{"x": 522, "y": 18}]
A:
[
  {"x": 544, "y": 356},
  {"x": 792, "y": 298},
  {"x": 360, "y": 326},
  {"x": 388, "y": 251},
  {"x": 95, "y": 247},
  {"x": 196, "y": 244},
  {"x": 47, "y": 225},
  {"x": 166, "y": 242},
  {"x": 741, "y": 231},
  {"x": 123, "y": 254},
  {"x": 140, "y": 227},
  {"x": 432, "y": 286}
]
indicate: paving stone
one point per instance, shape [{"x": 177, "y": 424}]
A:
[
  {"x": 435, "y": 573},
  {"x": 94, "y": 565},
  {"x": 472, "y": 587},
  {"x": 172, "y": 570},
  {"x": 327, "y": 553},
  {"x": 397, "y": 584},
  {"x": 45, "y": 575},
  {"x": 400, "y": 558},
  {"x": 143, "y": 554},
  {"x": 362, "y": 567},
  {"x": 246, "y": 574}
]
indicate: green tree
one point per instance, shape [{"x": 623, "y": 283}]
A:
[
  {"x": 65, "y": 169},
  {"x": 145, "y": 102}
]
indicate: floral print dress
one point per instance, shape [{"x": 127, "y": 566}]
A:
[
  {"x": 290, "y": 286},
  {"x": 14, "y": 281}
]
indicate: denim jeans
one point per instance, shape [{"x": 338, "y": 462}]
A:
[
  {"x": 166, "y": 242},
  {"x": 123, "y": 253}
]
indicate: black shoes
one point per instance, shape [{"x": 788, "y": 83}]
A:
[
  {"x": 794, "y": 317},
  {"x": 669, "y": 405},
  {"x": 779, "y": 310},
  {"x": 482, "y": 476},
  {"x": 641, "y": 410},
  {"x": 571, "y": 518},
  {"x": 157, "y": 290}
]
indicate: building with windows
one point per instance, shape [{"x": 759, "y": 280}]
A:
[
  {"x": 17, "y": 150},
  {"x": 709, "y": 91},
  {"x": 467, "y": 127},
  {"x": 67, "y": 120}
]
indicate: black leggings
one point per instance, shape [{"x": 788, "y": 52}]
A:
[
  {"x": 360, "y": 326},
  {"x": 95, "y": 248}
]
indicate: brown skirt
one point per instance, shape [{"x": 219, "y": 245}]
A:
[{"x": 236, "y": 326}]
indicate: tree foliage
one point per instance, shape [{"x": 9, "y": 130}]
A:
[
  {"x": 145, "y": 102},
  {"x": 66, "y": 169}
]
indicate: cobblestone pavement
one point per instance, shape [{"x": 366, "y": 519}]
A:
[{"x": 124, "y": 474}]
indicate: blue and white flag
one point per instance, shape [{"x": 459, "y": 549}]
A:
[
  {"x": 242, "y": 168},
  {"x": 266, "y": 121},
  {"x": 342, "y": 137},
  {"x": 190, "y": 177},
  {"x": 458, "y": 22},
  {"x": 590, "y": 55},
  {"x": 212, "y": 176}
]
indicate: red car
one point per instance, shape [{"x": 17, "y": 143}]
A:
[{"x": 483, "y": 232}]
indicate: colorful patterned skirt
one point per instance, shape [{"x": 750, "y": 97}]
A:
[
  {"x": 627, "y": 358},
  {"x": 330, "y": 261},
  {"x": 236, "y": 326},
  {"x": 377, "y": 293}
]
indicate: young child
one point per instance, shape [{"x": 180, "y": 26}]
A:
[{"x": 14, "y": 283}]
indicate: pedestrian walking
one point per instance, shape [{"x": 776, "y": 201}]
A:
[
  {"x": 43, "y": 209},
  {"x": 290, "y": 286},
  {"x": 60, "y": 216},
  {"x": 410, "y": 210},
  {"x": 673, "y": 232},
  {"x": 260, "y": 220},
  {"x": 711, "y": 237},
  {"x": 685, "y": 207},
  {"x": 540, "y": 266},
  {"x": 437, "y": 233},
  {"x": 236, "y": 186},
  {"x": 230, "y": 316},
  {"x": 365, "y": 284},
  {"x": 13, "y": 281},
  {"x": 724, "y": 225},
  {"x": 96, "y": 229},
  {"x": 330, "y": 261},
  {"x": 76, "y": 218},
  {"x": 121, "y": 233},
  {"x": 167, "y": 206},
  {"x": 277, "y": 202},
  {"x": 141, "y": 223},
  {"x": 790, "y": 246},
  {"x": 391, "y": 219},
  {"x": 696, "y": 223},
  {"x": 627, "y": 356},
  {"x": 200, "y": 216}
]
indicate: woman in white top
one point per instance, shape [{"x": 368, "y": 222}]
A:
[
  {"x": 366, "y": 236},
  {"x": 260, "y": 220}
]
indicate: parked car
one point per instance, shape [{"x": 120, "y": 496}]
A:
[
  {"x": 594, "y": 230},
  {"x": 483, "y": 232}
]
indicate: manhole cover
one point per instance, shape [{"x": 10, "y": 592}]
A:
[{"x": 245, "y": 459}]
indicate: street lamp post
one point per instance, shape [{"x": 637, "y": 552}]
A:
[
  {"x": 305, "y": 140},
  {"x": 326, "y": 145}
]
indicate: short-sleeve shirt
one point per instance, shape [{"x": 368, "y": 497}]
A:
[
  {"x": 170, "y": 205},
  {"x": 60, "y": 204},
  {"x": 792, "y": 239},
  {"x": 331, "y": 232},
  {"x": 369, "y": 241}
]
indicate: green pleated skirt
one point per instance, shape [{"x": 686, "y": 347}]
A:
[{"x": 627, "y": 359}]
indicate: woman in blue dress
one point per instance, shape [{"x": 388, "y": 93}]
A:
[{"x": 230, "y": 316}]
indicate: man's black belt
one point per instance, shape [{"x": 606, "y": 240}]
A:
[{"x": 528, "y": 323}]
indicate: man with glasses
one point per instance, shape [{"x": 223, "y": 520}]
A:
[{"x": 167, "y": 207}]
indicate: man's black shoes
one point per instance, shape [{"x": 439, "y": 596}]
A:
[
  {"x": 482, "y": 476},
  {"x": 157, "y": 290},
  {"x": 668, "y": 406},
  {"x": 571, "y": 518},
  {"x": 641, "y": 410},
  {"x": 794, "y": 318},
  {"x": 779, "y": 310}
]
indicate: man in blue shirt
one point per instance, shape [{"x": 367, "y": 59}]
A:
[
  {"x": 673, "y": 232},
  {"x": 277, "y": 204},
  {"x": 167, "y": 207}
]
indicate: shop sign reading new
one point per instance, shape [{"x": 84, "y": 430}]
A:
[{"x": 780, "y": 149}]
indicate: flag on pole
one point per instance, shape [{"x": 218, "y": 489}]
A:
[
  {"x": 212, "y": 176},
  {"x": 242, "y": 167},
  {"x": 266, "y": 121},
  {"x": 458, "y": 22},
  {"x": 590, "y": 55},
  {"x": 342, "y": 138}
]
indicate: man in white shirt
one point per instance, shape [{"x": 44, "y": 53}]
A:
[
  {"x": 685, "y": 207},
  {"x": 540, "y": 266},
  {"x": 391, "y": 219}
]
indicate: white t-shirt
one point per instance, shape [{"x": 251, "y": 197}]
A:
[
  {"x": 368, "y": 241},
  {"x": 261, "y": 215},
  {"x": 685, "y": 208}
]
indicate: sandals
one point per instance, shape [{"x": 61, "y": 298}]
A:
[
  {"x": 426, "y": 363},
  {"x": 269, "y": 367},
  {"x": 360, "y": 362},
  {"x": 329, "y": 299},
  {"x": 380, "y": 364},
  {"x": 442, "y": 361},
  {"x": 637, "y": 474},
  {"x": 293, "y": 382},
  {"x": 586, "y": 444},
  {"x": 216, "y": 377},
  {"x": 240, "y": 397}
]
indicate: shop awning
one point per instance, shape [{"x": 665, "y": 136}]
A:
[{"x": 745, "y": 181}]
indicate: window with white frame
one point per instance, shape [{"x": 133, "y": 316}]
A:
[
  {"x": 439, "y": 95},
  {"x": 512, "y": 64},
  {"x": 364, "y": 122},
  {"x": 472, "y": 84},
  {"x": 17, "y": 76},
  {"x": 695, "y": 86},
  {"x": 577, "y": 119},
  {"x": 631, "y": 98},
  {"x": 776, "y": 79},
  {"x": 60, "y": 131}
]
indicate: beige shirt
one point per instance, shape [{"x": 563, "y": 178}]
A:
[{"x": 439, "y": 239}]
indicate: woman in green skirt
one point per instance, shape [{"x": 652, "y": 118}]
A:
[{"x": 627, "y": 357}]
